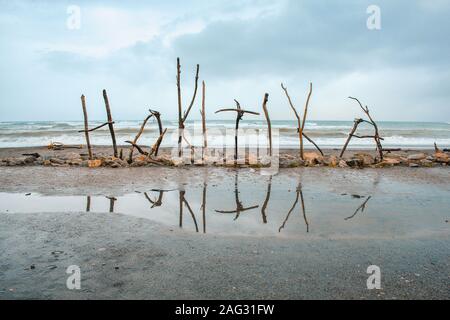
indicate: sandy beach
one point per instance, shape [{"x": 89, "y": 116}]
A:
[{"x": 130, "y": 245}]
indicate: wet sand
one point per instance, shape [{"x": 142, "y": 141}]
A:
[{"x": 136, "y": 251}]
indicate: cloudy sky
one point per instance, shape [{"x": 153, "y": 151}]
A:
[{"x": 244, "y": 48}]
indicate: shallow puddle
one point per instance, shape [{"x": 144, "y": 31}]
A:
[{"x": 268, "y": 206}]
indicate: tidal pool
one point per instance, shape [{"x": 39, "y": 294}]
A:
[{"x": 276, "y": 206}]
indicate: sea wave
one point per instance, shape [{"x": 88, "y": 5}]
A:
[{"x": 325, "y": 133}]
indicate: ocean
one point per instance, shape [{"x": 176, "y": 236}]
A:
[{"x": 327, "y": 134}]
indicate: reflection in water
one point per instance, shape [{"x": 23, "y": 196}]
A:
[
  {"x": 111, "y": 203},
  {"x": 157, "y": 202},
  {"x": 203, "y": 206},
  {"x": 266, "y": 201},
  {"x": 361, "y": 207},
  {"x": 299, "y": 193},
  {"x": 399, "y": 207},
  {"x": 184, "y": 201},
  {"x": 239, "y": 206},
  {"x": 88, "y": 204}
]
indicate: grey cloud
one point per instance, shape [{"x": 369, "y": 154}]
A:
[{"x": 321, "y": 36}]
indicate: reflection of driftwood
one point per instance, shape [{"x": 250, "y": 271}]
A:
[
  {"x": 299, "y": 194},
  {"x": 180, "y": 203},
  {"x": 303, "y": 209},
  {"x": 239, "y": 207},
  {"x": 111, "y": 203},
  {"x": 300, "y": 123},
  {"x": 269, "y": 127},
  {"x": 110, "y": 123},
  {"x": 266, "y": 201},
  {"x": 361, "y": 207},
  {"x": 184, "y": 201},
  {"x": 289, "y": 212},
  {"x": 239, "y": 114},
  {"x": 376, "y": 135},
  {"x": 183, "y": 116},
  {"x": 88, "y": 203},
  {"x": 86, "y": 126},
  {"x": 203, "y": 207},
  {"x": 157, "y": 202}
]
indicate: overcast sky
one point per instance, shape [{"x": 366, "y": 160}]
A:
[{"x": 244, "y": 48}]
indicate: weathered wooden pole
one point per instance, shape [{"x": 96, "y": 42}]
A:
[
  {"x": 350, "y": 135},
  {"x": 141, "y": 130},
  {"x": 86, "y": 126},
  {"x": 304, "y": 120},
  {"x": 239, "y": 114},
  {"x": 110, "y": 123},
  {"x": 183, "y": 116},
  {"x": 180, "y": 111},
  {"x": 376, "y": 135},
  {"x": 300, "y": 123},
  {"x": 269, "y": 127},
  {"x": 157, "y": 115},
  {"x": 202, "y": 112}
]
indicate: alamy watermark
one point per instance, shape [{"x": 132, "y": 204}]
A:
[
  {"x": 374, "y": 280},
  {"x": 74, "y": 280},
  {"x": 73, "y": 21},
  {"x": 228, "y": 147},
  {"x": 374, "y": 20}
]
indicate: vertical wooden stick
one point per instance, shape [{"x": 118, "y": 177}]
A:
[
  {"x": 110, "y": 124},
  {"x": 300, "y": 133},
  {"x": 183, "y": 116},
  {"x": 266, "y": 113},
  {"x": 180, "y": 111},
  {"x": 238, "y": 118},
  {"x": 86, "y": 126},
  {"x": 205, "y": 140}
]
